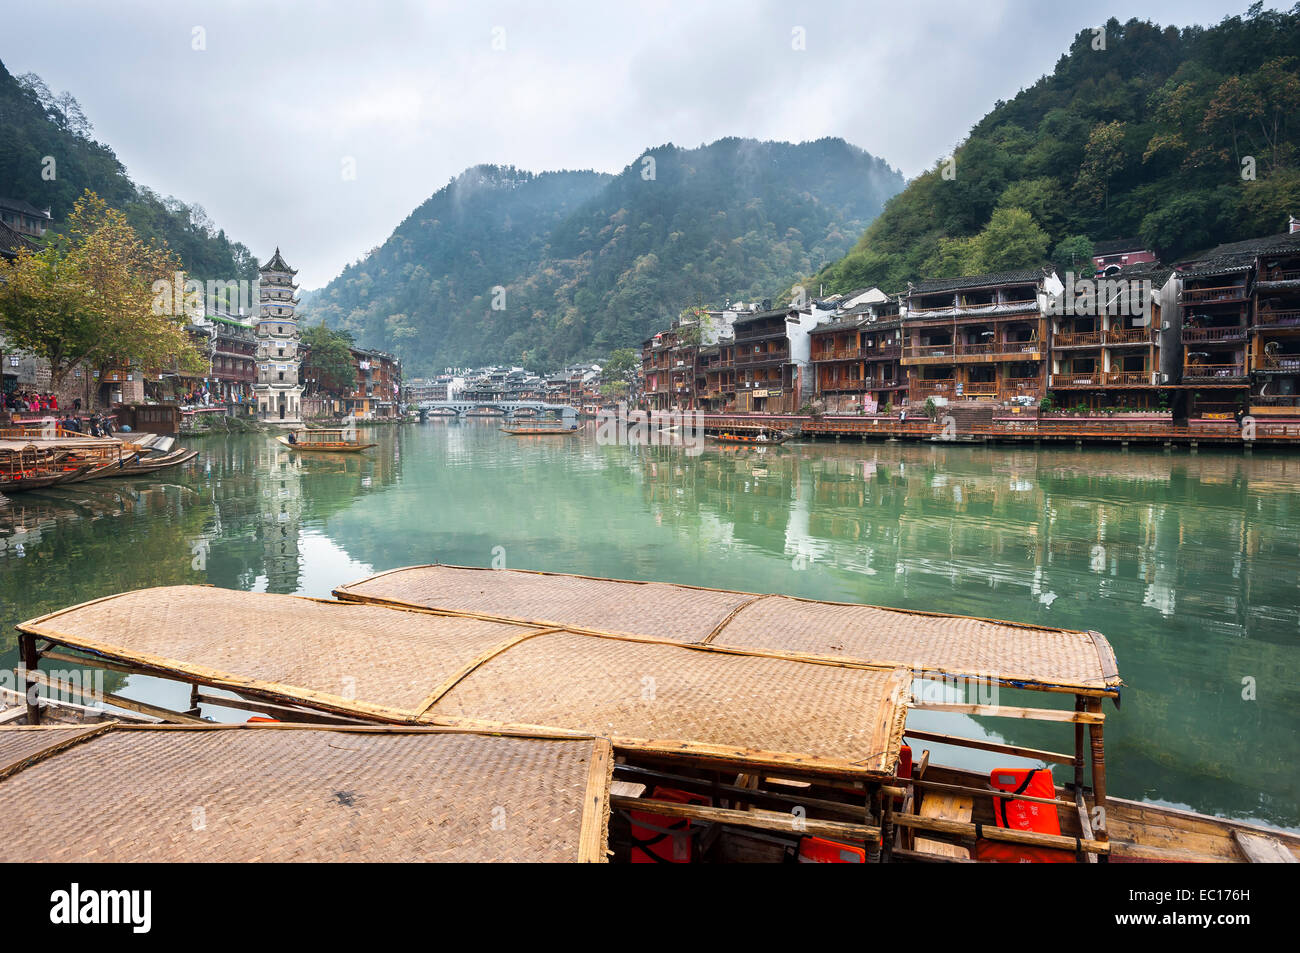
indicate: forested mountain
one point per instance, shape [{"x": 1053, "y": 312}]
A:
[
  {"x": 37, "y": 124},
  {"x": 589, "y": 262},
  {"x": 1186, "y": 138}
]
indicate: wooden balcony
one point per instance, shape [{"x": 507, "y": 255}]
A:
[
  {"x": 1213, "y": 372},
  {"x": 1234, "y": 332},
  {"x": 987, "y": 389},
  {"x": 921, "y": 389},
  {"x": 838, "y": 354},
  {"x": 961, "y": 353},
  {"x": 764, "y": 357},
  {"x": 1278, "y": 319},
  {"x": 1077, "y": 339},
  {"x": 1012, "y": 387},
  {"x": 1279, "y": 363},
  {"x": 1211, "y": 295},
  {"x": 1130, "y": 336},
  {"x": 844, "y": 385},
  {"x": 884, "y": 353}
]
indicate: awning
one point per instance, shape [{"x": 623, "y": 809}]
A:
[{"x": 253, "y": 793}]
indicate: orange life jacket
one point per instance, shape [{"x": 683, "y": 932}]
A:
[
  {"x": 658, "y": 839},
  {"x": 1023, "y": 816}
]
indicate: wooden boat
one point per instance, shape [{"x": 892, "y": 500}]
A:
[
  {"x": 323, "y": 441},
  {"x": 101, "y": 470},
  {"x": 758, "y": 437},
  {"x": 728, "y": 743},
  {"x": 145, "y": 465},
  {"x": 26, "y": 466},
  {"x": 540, "y": 431}
]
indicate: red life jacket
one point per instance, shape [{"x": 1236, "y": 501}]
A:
[{"x": 1023, "y": 816}]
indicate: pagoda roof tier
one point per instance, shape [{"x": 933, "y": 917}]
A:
[{"x": 278, "y": 264}]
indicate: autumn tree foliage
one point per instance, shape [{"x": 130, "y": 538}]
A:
[{"x": 88, "y": 297}]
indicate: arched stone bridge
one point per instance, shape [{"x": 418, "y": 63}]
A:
[{"x": 508, "y": 407}]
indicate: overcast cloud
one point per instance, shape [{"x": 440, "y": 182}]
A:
[{"x": 256, "y": 127}]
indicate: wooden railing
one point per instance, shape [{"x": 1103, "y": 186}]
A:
[
  {"x": 1129, "y": 336},
  {"x": 1220, "y": 293},
  {"x": 1213, "y": 371},
  {"x": 1102, "y": 379},
  {"x": 1077, "y": 339},
  {"x": 1007, "y": 349},
  {"x": 1280, "y": 362},
  {"x": 1235, "y": 332},
  {"x": 920, "y": 389},
  {"x": 1275, "y": 318},
  {"x": 762, "y": 357}
]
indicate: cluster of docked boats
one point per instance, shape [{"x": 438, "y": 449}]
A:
[
  {"x": 35, "y": 457},
  {"x": 771, "y": 729}
]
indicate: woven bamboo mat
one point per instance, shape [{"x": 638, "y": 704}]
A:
[
  {"x": 929, "y": 642},
  {"x": 359, "y": 657},
  {"x": 286, "y": 794},
  {"x": 667, "y": 697},
  {"x": 934, "y": 643},
  {"x": 661, "y": 610},
  {"x": 20, "y": 745}
]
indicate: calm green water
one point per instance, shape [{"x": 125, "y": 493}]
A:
[{"x": 1188, "y": 563}]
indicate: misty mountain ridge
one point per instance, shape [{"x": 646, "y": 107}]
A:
[{"x": 543, "y": 268}]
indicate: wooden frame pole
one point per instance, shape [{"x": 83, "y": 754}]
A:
[
  {"x": 31, "y": 658},
  {"x": 1098, "y": 768}
]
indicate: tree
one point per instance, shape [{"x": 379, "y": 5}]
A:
[
  {"x": 330, "y": 358},
  {"x": 1074, "y": 251},
  {"x": 89, "y": 297},
  {"x": 1012, "y": 239},
  {"x": 621, "y": 366},
  {"x": 1102, "y": 158}
]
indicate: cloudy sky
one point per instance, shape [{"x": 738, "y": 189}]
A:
[{"x": 259, "y": 110}]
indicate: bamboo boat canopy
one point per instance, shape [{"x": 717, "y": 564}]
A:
[
  {"x": 245, "y": 793},
  {"x": 407, "y": 666},
  {"x": 942, "y": 645}
]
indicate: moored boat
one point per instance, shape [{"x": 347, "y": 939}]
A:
[
  {"x": 323, "y": 441},
  {"x": 761, "y": 705},
  {"x": 757, "y": 436},
  {"x": 540, "y": 431}
]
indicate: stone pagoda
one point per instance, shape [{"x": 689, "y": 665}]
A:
[{"x": 278, "y": 389}]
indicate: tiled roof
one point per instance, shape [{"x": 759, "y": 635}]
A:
[
  {"x": 277, "y": 263},
  {"x": 842, "y": 323},
  {"x": 12, "y": 240},
  {"x": 1021, "y": 276},
  {"x": 1152, "y": 271},
  {"x": 774, "y": 313},
  {"x": 27, "y": 208},
  {"x": 1238, "y": 256}
]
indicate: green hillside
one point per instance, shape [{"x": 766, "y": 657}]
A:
[
  {"x": 590, "y": 262},
  {"x": 37, "y": 124},
  {"x": 1185, "y": 138}
]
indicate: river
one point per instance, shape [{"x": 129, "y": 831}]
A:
[{"x": 1188, "y": 563}]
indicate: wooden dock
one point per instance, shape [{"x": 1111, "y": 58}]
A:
[{"x": 1031, "y": 430}]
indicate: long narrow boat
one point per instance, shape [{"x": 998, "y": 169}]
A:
[
  {"x": 108, "y": 469},
  {"x": 777, "y": 724},
  {"x": 153, "y": 464},
  {"x": 323, "y": 441},
  {"x": 760, "y": 437},
  {"x": 539, "y": 431}
]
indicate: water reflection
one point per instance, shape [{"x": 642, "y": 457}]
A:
[{"x": 1187, "y": 562}]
